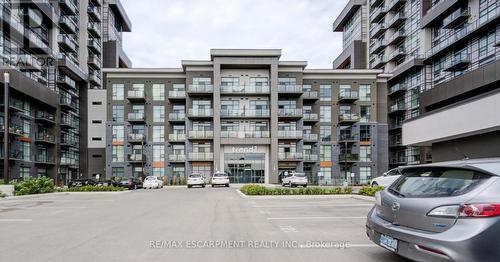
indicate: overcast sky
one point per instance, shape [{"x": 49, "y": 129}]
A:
[{"x": 164, "y": 32}]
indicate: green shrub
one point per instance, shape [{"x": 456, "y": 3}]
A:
[
  {"x": 370, "y": 191},
  {"x": 31, "y": 186},
  {"x": 259, "y": 190},
  {"x": 90, "y": 188},
  {"x": 252, "y": 189},
  {"x": 2, "y": 195}
]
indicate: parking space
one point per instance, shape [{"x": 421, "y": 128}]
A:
[{"x": 125, "y": 227}]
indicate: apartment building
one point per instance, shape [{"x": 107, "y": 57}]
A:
[
  {"x": 52, "y": 53},
  {"x": 247, "y": 113}
]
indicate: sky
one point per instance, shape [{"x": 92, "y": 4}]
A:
[{"x": 164, "y": 32}]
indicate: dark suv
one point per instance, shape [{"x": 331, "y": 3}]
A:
[
  {"x": 82, "y": 182},
  {"x": 130, "y": 183}
]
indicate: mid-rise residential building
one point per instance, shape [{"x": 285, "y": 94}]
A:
[
  {"x": 244, "y": 112},
  {"x": 52, "y": 53},
  {"x": 440, "y": 54}
]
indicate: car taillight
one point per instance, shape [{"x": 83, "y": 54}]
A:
[{"x": 480, "y": 210}]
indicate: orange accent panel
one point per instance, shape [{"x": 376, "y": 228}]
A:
[
  {"x": 158, "y": 164},
  {"x": 325, "y": 164},
  {"x": 365, "y": 143},
  {"x": 118, "y": 143}
]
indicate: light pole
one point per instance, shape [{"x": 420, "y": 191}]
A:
[{"x": 6, "y": 80}]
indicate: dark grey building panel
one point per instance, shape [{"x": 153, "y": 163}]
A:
[{"x": 477, "y": 146}]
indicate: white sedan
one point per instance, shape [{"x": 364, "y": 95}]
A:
[
  {"x": 387, "y": 178},
  {"x": 152, "y": 182},
  {"x": 220, "y": 179},
  {"x": 195, "y": 179},
  {"x": 294, "y": 179}
]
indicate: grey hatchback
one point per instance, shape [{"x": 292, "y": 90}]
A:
[{"x": 447, "y": 211}]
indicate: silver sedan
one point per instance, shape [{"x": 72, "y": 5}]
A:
[{"x": 441, "y": 212}]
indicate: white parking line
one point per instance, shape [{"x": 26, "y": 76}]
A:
[
  {"x": 15, "y": 220},
  {"x": 311, "y": 218},
  {"x": 313, "y": 205},
  {"x": 288, "y": 229}
]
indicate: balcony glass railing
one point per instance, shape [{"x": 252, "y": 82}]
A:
[
  {"x": 348, "y": 157},
  {"x": 136, "y": 116},
  {"x": 311, "y": 137},
  {"x": 244, "y": 134},
  {"x": 245, "y": 89},
  {"x": 135, "y": 94},
  {"x": 290, "y": 112},
  {"x": 344, "y": 94},
  {"x": 176, "y": 94},
  {"x": 177, "y": 116},
  {"x": 311, "y": 157},
  {"x": 245, "y": 113},
  {"x": 176, "y": 158},
  {"x": 310, "y": 117},
  {"x": 45, "y": 138},
  {"x": 201, "y": 112},
  {"x": 292, "y": 134},
  {"x": 177, "y": 137},
  {"x": 290, "y": 88},
  {"x": 348, "y": 117},
  {"x": 136, "y": 137},
  {"x": 201, "y": 88},
  {"x": 310, "y": 95},
  {"x": 193, "y": 134},
  {"x": 201, "y": 156},
  {"x": 289, "y": 156}
]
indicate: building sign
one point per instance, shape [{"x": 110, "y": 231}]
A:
[{"x": 244, "y": 149}]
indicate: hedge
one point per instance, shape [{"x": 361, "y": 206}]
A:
[
  {"x": 260, "y": 190},
  {"x": 370, "y": 191},
  {"x": 90, "y": 188},
  {"x": 31, "y": 186}
]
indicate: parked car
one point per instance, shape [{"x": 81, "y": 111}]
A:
[
  {"x": 293, "y": 179},
  {"x": 220, "y": 178},
  {"x": 446, "y": 211},
  {"x": 195, "y": 179},
  {"x": 131, "y": 183},
  {"x": 82, "y": 182},
  {"x": 105, "y": 183},
  {"x": 152, "y": 182},
  {"x": 387, "y": 178}
]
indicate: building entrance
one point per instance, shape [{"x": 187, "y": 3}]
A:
[{"x": 245, "y": 167}]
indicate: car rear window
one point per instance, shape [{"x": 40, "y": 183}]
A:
[
  {"x": 219, "y": 175},
  {"x": 436, "y": 182},
  {"x": 299, "y": 174},
  {"x": 194, "y": 176},
  {"x": 150, "y": 178}
]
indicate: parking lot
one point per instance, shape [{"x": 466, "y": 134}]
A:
[{"x": 180, "y": 224}]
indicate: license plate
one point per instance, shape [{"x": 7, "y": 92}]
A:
[{"x": 389, "y": 242}]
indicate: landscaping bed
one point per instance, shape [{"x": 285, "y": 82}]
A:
[{"x": 260, "y": 190}]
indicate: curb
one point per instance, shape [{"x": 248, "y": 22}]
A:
[
  {"x": 63, "y": 194},
  {"x": 340, "y": 196}
]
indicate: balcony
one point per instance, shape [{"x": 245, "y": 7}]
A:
[
  {"x": 136, "y": 96},
  {"x": 66, "y": 43},
  {"x": 394, "y": 5},
  {"x": 310, "y": 138},
  {"x": 397, "y": 108},
  {"x": 176, "y": 138},
  {"x": 378, "y": 61},
  {"x": 94, "y": 45},
  {"x": 193, "y": 134},
  {"x": 395, "y": 142},
  {"x": 377, "y": 45},
  {"x": 176, "y": 158},
  {"x": 456, "y": 18},
  {"x": 290, "y": 113},
  {"x": 310, "y": 117},
  {"x": 377, "y": 14},
  {"x": 201, "y": 156},
  {"x": 94, "y": 29},
  {"x": 397, "y": 54},
  {"x": 28, "y": 62},
  {"x": 438, "y": 11},
  {"x": 397, "y": 37},
  {"x": 397, "y": 89},
  {"x": 397, "y": 20},
  {"x": 237, "y": 113},
  {"x": 45, "y": 139},
  {"x": 348, "y": 138},
  {"x": 67, "y": 24},
  {"x": 311, "y": 158},
  {"x": 45, "y": 160},
  {"x": 348, "y": 119},
  {"x": 176, "y": 95},
  {"x": 374, "y": 3},
  {"x": 136, "y": 158},
  {"x": 13, "y": 130},
  {"x": 244, "y": 90},
  {"x": 395, "y": 126},
  {"x": 290, "y": 134},
  {"x": 137, "y": 117},
  {"x": 291, "y": 90},
  {"x": 94, "y": 13},
  {"x": 310, "y": 95},
  {"x": 345, "y": 158},
  {"x": 348, "y": 96},
  {"x": 67, "y": 161},
  {"x": 44, "y": 117},
  {"x": 458, "y": 63},
  {"x": 244, "y": 134},
  {"x": 68, "y": 103},
  {"x": 201, "y": 89},
  {"x": 94, "y": 62},
  {"x": 95, "y": 78},
  {"x": 136, "y": 138},
  {"x": 399, "y": 161},
  {"x": 177, "y": 117},
  {"x": 68, "y": 141},
  {"x": 67, "y": 7},
  {"x": 67, "y": 122},
  {"x": 377, "y": 30},
  {"x": 290, "y": 156},
  {"x": 200, "y": 113}
]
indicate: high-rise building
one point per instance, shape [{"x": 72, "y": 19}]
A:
[
  {"x": 53, "y": 53},
  {"x": 244, "y": 112}
]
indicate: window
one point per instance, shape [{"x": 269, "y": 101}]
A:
[
  {"x": 96, "y": 138},
  {"x": 325, "y": 114},
  {"x": 96, "y": 121},
  {"x": 325, "y": 92},
  {"x": 118, "y": 133},
  {"x": 24, "y": 172},
  {"x": 118, "y": 113},
  {"x": 159, "y": 172},
  {"x": 365, "y": 92},
  {"x": 326, "y": 133},
  {"x": 158, "y": 134},
  {"x": 158, "y": 92},
  {"x": 202, "y": 81},
  {"x": 365, "y": 154},
  {"x": 158, "y": 153},
  {"x": 365, "y": 174},
  {"x": 159, "y": 114},
  {"x": 24, "y": 151},
  {"x": 118, "y": 91},
  {"x": 365, "y": 112},
  {"x": 118, "y": 154},
  {"x": 26, "y": 125},
  {"x": 325, "y": 153},
  {"x": 96, "y": 103},
  {"x": 326, "y": 174},
  {"x": 287, "y": 81},
  {"x": 364, "y": 133},
  {"x": 117, "y": 172}
]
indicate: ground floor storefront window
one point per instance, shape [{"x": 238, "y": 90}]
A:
[{"x": 245, "y": 167}]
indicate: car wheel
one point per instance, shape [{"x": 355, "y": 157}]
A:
[
  {"x": 227, "y": 185},
  {"x": 305, "y": 186},
  {"x": 189, "y": 186},
  {"x": 374, "y": 184},
  {"x": 203, "y": 185},
  {"x": 290, "y": 184}
]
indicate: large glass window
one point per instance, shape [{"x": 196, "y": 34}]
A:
[
  {"x": 118, "y": 113},
  {"x": 117, "y": 172},
  {"x": 325, "y": 153},
  {"x": 158, "y": 92},
  {"x": 325, "y": 92},
  {"x": 325, "y": 133},
  {"x": 365, "y": 92},
  {"x": 325, "y": 174},
  {"x": 159, "y": 172},
  {"x": 118, "y": 91},
  {"x": 365, "y": 174},
  {"x": 158, "y": 134},
  {"x": 365, "y": 113},
  {"x": 118, "y": 154},
  {"x": 159, "y": 114},
  {"x": 365, "y": 154},
  {"x": 118, "y": 133},
  {"x": 158, "y": 153},
  {"x": 325, "y": 114}
]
